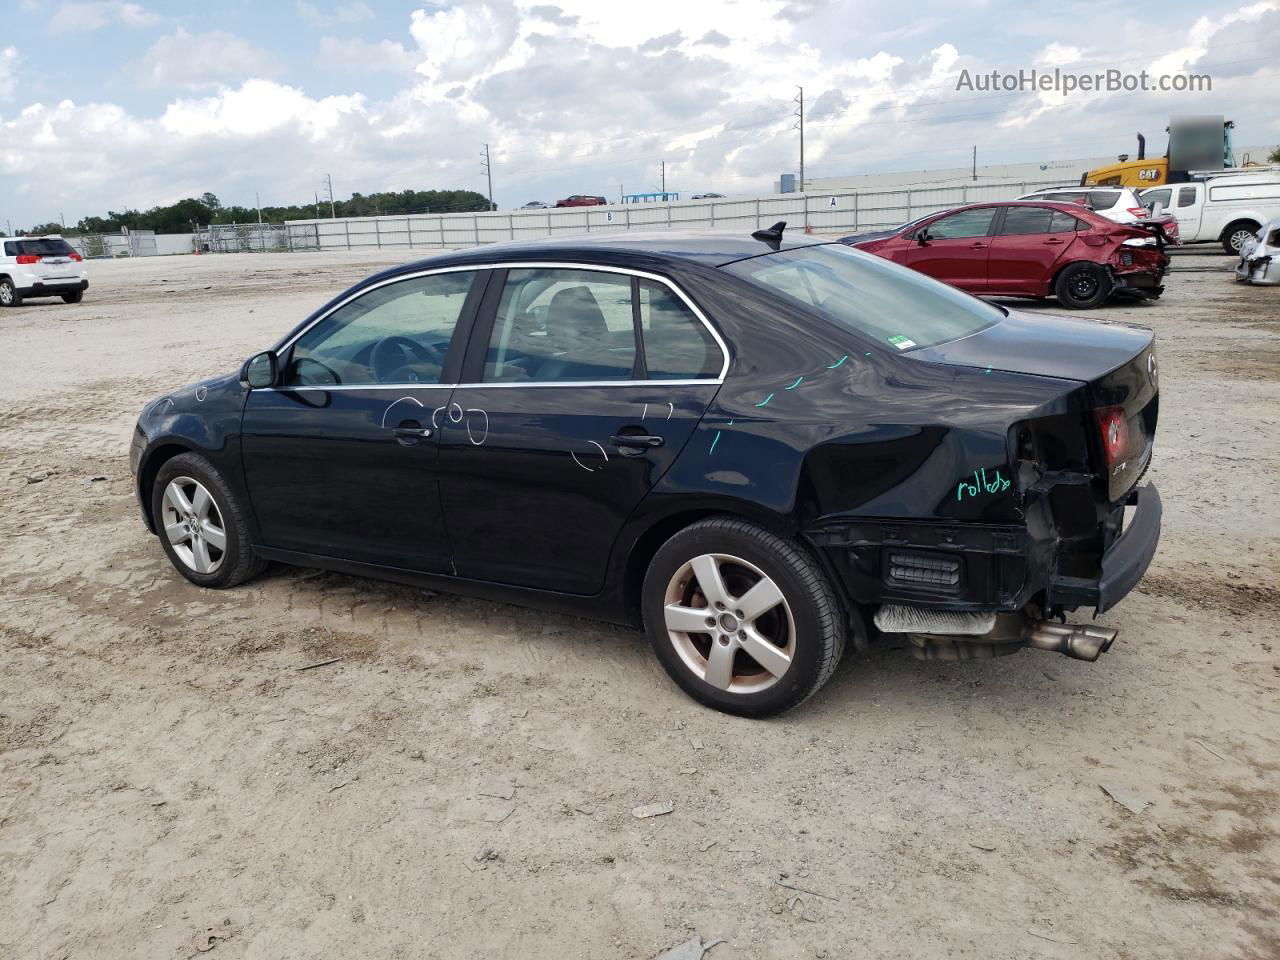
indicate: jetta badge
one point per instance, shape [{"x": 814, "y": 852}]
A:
[{"x": 1151, "y": 366}]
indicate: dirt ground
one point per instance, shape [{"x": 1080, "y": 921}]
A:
[{"x": 461, "y": 782}]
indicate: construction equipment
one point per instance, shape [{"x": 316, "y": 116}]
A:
[{"x": 1200, "y": 143}]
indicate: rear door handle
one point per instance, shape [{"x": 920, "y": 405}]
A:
[
  {"x": 977, "y": 246},
  {"x": 640, "y": 441}
]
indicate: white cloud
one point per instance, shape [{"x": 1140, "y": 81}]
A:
[
  {"x": 86, "y": 16},
  {"x": 579, "y": 96},
  {"x": 9, "y": 61},
  {"x": 1058, "y": 55},
  {"x": 352, "y": 53},
  {"x": 195, "y": 61},
  {"x": 337, "y": 15}
]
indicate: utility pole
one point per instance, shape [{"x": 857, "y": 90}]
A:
[
  {"x": 317, "y": 204},
  {"x": 258, "y": 201},
  {"x": 664, "y": 177},
  {"x": 800, "y": 126},
  {"x": 332, "y": 212},
  {"x": 488, "y": 172},
  {"x": 975, "y": 161}
]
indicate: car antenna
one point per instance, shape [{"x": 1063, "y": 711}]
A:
[{"x": 772, "y": 236}]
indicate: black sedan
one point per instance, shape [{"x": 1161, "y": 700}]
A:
[{"x": 752, "y": 445}]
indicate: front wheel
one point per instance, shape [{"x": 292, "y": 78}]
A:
[
  {"x": 201, "y": 525},
  {"x": 1082, "y": 286},
  {"x": 9, "y": 295},
  {"x": 743, "y": 620}
]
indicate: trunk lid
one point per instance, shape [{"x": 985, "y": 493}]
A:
[{"x": 1114, "y": 362}]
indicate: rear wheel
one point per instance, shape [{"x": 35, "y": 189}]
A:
[
  {"x": 201, "y": 525},
  {"x": 743, "y": 620},
  {"x": 9, "y": 295},
  {"x": 74, "y": 297},
  {"x": 1082, "y": 286},
  {"x": 1237, "y": 235}
]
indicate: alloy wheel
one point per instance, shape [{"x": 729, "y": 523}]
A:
[
  {"x": 730, "y": 623},
  {"x": 193, "y": 525},
  {"x": 1239, "y": 239},
  {"x": 6, "y": 294}
]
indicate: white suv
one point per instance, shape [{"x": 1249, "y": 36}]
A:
[
  {"x": 1120, "y": 204},
  {"x": 40, "y": 267}
]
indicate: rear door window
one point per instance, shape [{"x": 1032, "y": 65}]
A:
[
  {"x": 1024, "y": 220},
  {"x": 677, "y": 345},
  {"x": 1065, "y": 223},
  {"x": 562, "y": 325},
  {"x": 1186, "y": 196}
]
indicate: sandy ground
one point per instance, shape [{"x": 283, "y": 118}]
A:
[{"x": 461, "y": 783}]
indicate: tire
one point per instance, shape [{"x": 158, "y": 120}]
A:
[
  {"x": 801, "y": 634},
  {"x": 74, "y": 297},
  {"x": 207, "y": 566},
  {"x": 1082, "y": 286},
  {"x": 9, "y": 295},
  {"x": 1237, "y": 235}
]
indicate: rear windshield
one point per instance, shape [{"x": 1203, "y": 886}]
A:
[
  {"x": 890, "y": 304},
  {"x": 37, "y": 248}
]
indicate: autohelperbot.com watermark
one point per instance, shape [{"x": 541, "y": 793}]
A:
[{"x": 1067, "y": 83}]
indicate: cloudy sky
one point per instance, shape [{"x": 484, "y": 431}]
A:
[{"x": 107, "y": 103}]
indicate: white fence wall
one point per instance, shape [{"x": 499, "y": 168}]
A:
[{"x": 826, "y": 213}]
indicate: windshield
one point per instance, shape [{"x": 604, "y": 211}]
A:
[
  {"x": 892, "y": 305},
  {"x": 41, "y": 248}
]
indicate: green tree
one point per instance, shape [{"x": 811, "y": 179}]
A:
[{"x": 1275, "y": 156}]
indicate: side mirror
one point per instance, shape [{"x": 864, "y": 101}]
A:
[
  {"x": 923, "y": 236},
  {"x": 260, "y": 370}
]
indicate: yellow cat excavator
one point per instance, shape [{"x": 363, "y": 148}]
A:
[{"x": 1195, "y": 143}]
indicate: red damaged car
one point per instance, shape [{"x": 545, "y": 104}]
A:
[{"x": 1030, "y": 249}]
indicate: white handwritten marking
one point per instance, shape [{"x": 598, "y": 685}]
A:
[
  {"x": 392, "y": 406},
  {"x": 486, "y": 426},
  {"x": 580, "y": 463},
  {"x": 602, "y": 450}
]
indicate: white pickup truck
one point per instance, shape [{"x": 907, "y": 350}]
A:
[{"x": 1226, "y": 209}]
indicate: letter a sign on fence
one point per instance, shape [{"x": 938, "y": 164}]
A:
[{"x": 832, "y": 203}]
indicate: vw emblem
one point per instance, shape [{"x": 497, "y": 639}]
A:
[{"x": 1151, "y": 366}]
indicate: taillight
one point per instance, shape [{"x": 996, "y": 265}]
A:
[
  {"x": 27, "y": 258},
  {"x": 75, "y": 256},
  {"x": 1114, "y": 427},
  {"x": 1140, "y": 212}
]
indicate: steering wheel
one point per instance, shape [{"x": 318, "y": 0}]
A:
[{"x": 391, "y": 355}]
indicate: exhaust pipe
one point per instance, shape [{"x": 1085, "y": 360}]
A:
[
  {"x": 1142, "y": 147},
  {"x": 1081, "y": 641}
]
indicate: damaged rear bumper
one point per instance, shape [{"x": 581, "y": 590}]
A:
[{"x": 1123, "y": 564}]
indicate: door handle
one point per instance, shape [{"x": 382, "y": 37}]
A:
[
  {"x": 641, "y": 441},
  {"x": 1056, "y": 243},
  {"x": 409, "y": 432},
  {"x": 416, "y": 432},
  {"x": 977, "y": 246}
]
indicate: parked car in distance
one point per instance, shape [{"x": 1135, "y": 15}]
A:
[
  {"x": 1120, "y": 204},
  {"x": 1260, "y": 257},
  {"x": 40, "y": 267},
  {"x": 1227, "y": 209},
  {"x": 534, "y": 205},
  {"x": 581, "y": 200},
  {"x": 707, "y": 196},
  {"x": 749, "y": 445},
  {"x": 1021, "y": 248}
]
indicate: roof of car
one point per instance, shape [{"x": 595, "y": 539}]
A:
[{"x": 708, "y": 247}]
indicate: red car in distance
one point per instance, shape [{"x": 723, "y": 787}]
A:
[
  {"x": 581, "y": 200},
  {"x": 1027, "y": 248}
]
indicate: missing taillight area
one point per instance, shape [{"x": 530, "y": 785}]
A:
[{"x": 1114, "y": 429}]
